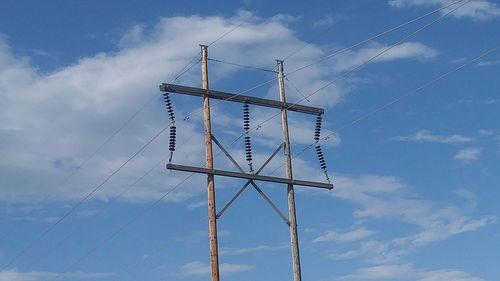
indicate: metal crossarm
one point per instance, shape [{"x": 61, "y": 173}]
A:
[
  {"x": 198, "y": 92},
  {"x": 231, "y": 174}
]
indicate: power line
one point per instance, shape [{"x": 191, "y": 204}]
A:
[
  {"x": 121, "y": 229},
  {"x": 356, "y": 67},
  {"x": 242, "y": 65},
  {"x": 364, "y": 63},
  {"x": 108, "y": 204},
  {"x": 297, "y": 89},
  {"x": 80, "y": 202},
  {"x": 192, "y": 113},
  {"x": 226, "y": 34},
  {"x": 305, "y": 97},
  {"x": 129, "y": 222},
  {"x": 377, "y": 36},
  {"x": 400, "y": 98},
  {"x": 310, "y": 42},
  {"x": 338, "y": 52},
  {"x": 40, "y": 237}
]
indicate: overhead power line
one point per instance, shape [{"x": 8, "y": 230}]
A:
[
  {"x": 31, "y": 244},
  {"x": 340, "y": 51},
  {"x": 401, "y": 98},
  {"x": 133, "y": 116},
  {"x": 242, "y": 65},
  {"x": 345, "y": 74}
]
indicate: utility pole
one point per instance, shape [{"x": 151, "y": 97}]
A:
[
  {"x": 294, "y": 237},
  {"x": 251, "y": 177},
  {"x": 212, "y": 223}
]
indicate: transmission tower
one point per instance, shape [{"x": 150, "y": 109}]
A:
[{"x": 206, "y": 94}]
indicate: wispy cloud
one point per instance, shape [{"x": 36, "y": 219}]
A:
[
  {"x": 197, "y": 268},
  {"x": 386, "y": 198},
  {"x": 428, "y": 136},
  {"x": 246, "y": 250},
  {"x": 476, "y": 9},
  {"x": 350, "y": 236},
  {"x": 468, "y": 154},
  {"x": 408, "y": 50},
  {"x": 15, "y": 275},
  {"x": 484, "y": 101},
  {"x": 408, "y": 272},
  {"x": 106, "y": 87},
  {"x": 329, "y": 20},
  {"x": 489, "y": 63}
]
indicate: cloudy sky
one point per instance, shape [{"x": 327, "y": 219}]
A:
[{"x": 84, "y": 193}]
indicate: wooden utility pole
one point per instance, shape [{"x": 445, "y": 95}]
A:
[
  {"x": 212, "y": 219},
  {"x": 294, "y": 238}
]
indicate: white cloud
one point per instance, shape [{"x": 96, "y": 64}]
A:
[
  {"x": 476, "y": 9},
  {"x": 407, "y": 272},
  {"x": 484, "y": 132},
  {"x": 329, "y": 20},
  {"x": 383, "y": 272},
  {"x": 468, "y": 154},
  {"x": 255, "y": 249},
  {"x": 15, "y": 275},
  {"x": 428, "y": 136},
  {"x": 489, "y": 63},
  {"x": 197, "y": 268},
  {"x": 387, "y": 198},
  {"x": 350, "y": 236},
  {"x": 52, "y": 121},
  {"x": 408, "y": 50}
]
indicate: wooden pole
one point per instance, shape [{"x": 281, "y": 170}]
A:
[
  {"x": 212, "y": 223},
  {"x": 294, "y": 238}
]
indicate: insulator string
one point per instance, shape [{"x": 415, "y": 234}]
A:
[
  {"x": 319, "y": 151},
  {"x": 246, "y": 127},
  {"x": 173, "y": 129}
]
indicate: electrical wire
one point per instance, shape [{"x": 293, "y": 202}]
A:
[
  {"x": 122, "y": 228},
  {"x": 340, "y": 51},
  {"x": 45, "y": 232},
  {"x": 310, "y": 42},
  {"x": 315, "y": 92},
  {"x": 266, "y": 82},
  {"x": 297, "y": 89},
  {"x": 343, "y": 75},
  {"x": 399, "y": 99},
  {"x": 128, "y": 223},
  {"x": 108, "y": 204},
  {"x": 242, "y": 65},
  {"x": 335, "y": 53},
  {"x": 79, "y": 203}
]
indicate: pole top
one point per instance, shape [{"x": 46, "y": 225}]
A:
[
  {"x": 203, "y": 46},
  {"x": 280, "y": 61}
]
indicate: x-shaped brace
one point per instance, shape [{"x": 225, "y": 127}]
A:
[{"x": 250, "y": 182}]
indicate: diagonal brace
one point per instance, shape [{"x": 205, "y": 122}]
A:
[
  {"x": 266, "y": 198},
  {"x": 248, "y": 182}
]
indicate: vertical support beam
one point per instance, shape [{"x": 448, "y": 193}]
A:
[
  {"x": 294, "y": 238},
  {"x": 212, "y": 219}
]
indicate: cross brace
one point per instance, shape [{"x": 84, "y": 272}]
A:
[
  {"x": 255, "y": 186},
  {"x": 198, "y": 92}
]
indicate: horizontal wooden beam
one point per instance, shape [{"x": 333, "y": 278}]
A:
[
  {"x": 198, "y": 92},
  {"x": 248, "y": 176}
]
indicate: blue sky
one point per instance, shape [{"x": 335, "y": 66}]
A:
[{"x": 416, "y": 184}]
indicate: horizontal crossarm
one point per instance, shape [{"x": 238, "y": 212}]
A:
[
  {"x": 231, "y": 174},
  {"x": 172, "y": 88}
]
